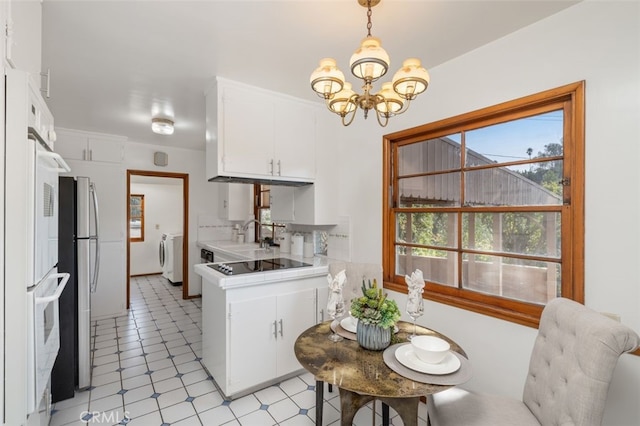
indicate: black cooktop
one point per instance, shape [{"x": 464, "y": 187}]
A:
[{"x": 262, "y": 265}]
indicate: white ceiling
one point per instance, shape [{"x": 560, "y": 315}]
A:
[{"x": 115, "y": 64}]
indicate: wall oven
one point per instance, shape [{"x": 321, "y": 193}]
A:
[
  {"x": 43, "y": 335},
  {"x": 31, "y": 221},
  {"x": 46, "y": 284}
]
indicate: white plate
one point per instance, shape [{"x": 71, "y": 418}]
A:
[
  {"x": 407, "y": 357},
  {"x": 350, "y": 324}
]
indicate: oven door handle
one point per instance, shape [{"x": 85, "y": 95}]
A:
[
  {"x": 63, "y": 166},
  {"x": 55, "y": 296}
]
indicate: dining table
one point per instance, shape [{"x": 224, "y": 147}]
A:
[{"x": 363, "y": 375}]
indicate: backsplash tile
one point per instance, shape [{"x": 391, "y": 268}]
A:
[
  {"x": 339, "y": 240},
  {"x": 212, "y": 228}
]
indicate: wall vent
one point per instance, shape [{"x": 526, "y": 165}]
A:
[{"x": 160, "y": 159}]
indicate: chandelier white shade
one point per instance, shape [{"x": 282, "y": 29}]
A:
[
  {"x": 162, "y": 126},
  {"x": 369, "y": 63}
]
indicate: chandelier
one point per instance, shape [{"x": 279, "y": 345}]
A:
[{"x": 369, "y": 63}]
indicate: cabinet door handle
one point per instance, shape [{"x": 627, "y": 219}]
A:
[
  {"x": 279, "y": 168},
  {"x": 271, "y": 164},
  {"x": 225, "y": 204},
  {"x": 275, "y": 329},
  {"x": 321, "y": 315},
  {"x": 84, "y": 154},
  {"x": 281, "y": 328},
  {"x": 90, "y": 155}
]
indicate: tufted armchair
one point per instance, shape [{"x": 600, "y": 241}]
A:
[{"x": 573, "y": 359}]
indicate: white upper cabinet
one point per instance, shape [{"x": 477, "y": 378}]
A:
[
  {"x": 234, "y": 201},
  {"x": 294, "y": 147},
  {"x": 259, "y": 135},
  {"x": 282, "y": 203},
  {"x": 73, "y": 145},
  {"x": 313, "y": 204},
  {"x": 245, "y": 132},
  {"x": 22, "y": 24}
]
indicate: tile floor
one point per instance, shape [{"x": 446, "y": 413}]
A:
[{"x": 147, "y": 370}]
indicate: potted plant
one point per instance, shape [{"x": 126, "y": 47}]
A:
[{"x": 377, "y": 316}]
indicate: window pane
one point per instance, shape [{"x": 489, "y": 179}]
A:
[
  {"x": 135, "y": 228},
  {"x": 430, "y": 229},
  {"x": 529, "y": 233},
  {"x": 503, "y": 186},
  {"x": 438, "y": 266},
  {"x": 136, "y": 211},
  {"x": 526, "y": 280},
  {"x": 524, "y": 139},
  {"x": 265, "y": 216},
  {"x": 430, "y": 191},
  {"x": 432, "y": 155}
]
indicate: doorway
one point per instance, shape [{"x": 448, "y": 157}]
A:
[{"x": 138, "y": 227}]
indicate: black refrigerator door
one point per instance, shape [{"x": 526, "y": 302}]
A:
[{"x": 64, "y": 376}]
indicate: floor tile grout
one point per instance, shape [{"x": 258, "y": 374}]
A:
[{"x": 160, "y": 322}]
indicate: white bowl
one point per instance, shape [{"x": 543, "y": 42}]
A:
[{"x": 430, "y": 349}]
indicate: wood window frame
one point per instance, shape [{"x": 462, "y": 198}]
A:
[
  {"x": 141, "y": 238},
  {"x": 571, "y": 99},
  {"x": 258, "y": 206}
]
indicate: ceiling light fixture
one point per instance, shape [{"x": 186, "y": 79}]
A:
[
  {"x": 369, "y": 63},
  {"x": 162, "y": 126}
]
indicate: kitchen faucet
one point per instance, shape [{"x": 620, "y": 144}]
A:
[{"x": 246, "y": 225}]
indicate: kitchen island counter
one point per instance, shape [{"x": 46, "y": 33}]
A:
[
  {"x": 250, "y": 322},
  {"x": 318, "y": 265}
]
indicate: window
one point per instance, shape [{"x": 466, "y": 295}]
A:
[
  {"x": 262, "y": 211},
  {"x": 490, "y": 205},
  {"x": 136, "y": 217}
]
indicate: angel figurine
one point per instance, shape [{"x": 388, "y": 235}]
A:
[{"x": 335, "y": 304}]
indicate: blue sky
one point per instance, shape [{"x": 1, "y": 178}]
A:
[{"x": 510, "y": 141}]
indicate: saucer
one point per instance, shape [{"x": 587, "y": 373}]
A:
[
  {"x": 407, "y": 357},
  {"x": 350, "y": 324}
]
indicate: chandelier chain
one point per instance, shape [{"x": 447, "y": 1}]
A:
[{"x": 369, "y": 13}]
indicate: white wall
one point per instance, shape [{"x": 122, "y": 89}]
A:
[
  {"x": 202, "y": 194},
  {"x": 594, "y": 41},
  {"x": 162, "y": 214}
]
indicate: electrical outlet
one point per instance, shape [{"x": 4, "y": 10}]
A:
[{"x": 157, "y": 226}]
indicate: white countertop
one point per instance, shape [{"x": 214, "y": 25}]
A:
[{"x": 252, "y": 251}]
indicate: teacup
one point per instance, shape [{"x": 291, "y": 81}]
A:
[{"x": 430, "y": 349}]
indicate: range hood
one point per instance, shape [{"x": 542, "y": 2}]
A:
[{"x": 261, "y": 181}]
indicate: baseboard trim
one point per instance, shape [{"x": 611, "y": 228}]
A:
[{"x": 146, "y": 275}]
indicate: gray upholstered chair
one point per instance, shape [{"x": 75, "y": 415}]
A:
[{"x": 573, "y": 359}]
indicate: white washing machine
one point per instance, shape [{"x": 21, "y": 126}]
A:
[{"x": 171, "y": 257}]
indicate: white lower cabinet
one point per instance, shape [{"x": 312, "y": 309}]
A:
[
  {"x": 248, "y": 334},
  {"x": 321, "y": 308},
  {"x": 262, "y": 333}
]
